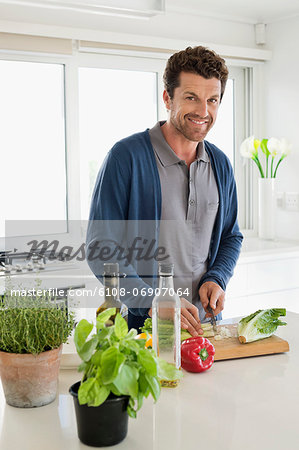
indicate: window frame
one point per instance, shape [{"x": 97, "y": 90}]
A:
[
  {"x": 254, "y": 110},
  {"x": 124, "y": 62},
  {"x": 71, "y": 149}
]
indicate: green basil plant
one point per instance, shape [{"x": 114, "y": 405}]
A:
[{"x": 115, "y": 362}]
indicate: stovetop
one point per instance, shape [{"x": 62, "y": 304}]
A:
[{"x": 21, "y": 263}]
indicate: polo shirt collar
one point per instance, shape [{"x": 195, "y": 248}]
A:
[{"x": 201, "y": 153}]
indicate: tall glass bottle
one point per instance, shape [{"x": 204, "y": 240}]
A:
[
  {"x": 166, "y": 320},
  {"x": 111, "y": 290}
]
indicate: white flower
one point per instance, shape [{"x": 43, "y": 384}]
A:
[
  {"x": 249, "y": 146},
  {"x": 275, "y": 147},
  {"x": 278, "y": 149}
]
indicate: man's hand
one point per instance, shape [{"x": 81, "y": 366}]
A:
[
  {"x": 189, "y": 317},
  {"x": 212, "y": 293}
]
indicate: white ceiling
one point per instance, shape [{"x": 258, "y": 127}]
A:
[{"x": 246, "y": 11}]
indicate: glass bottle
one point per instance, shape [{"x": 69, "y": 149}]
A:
[
  {"x": 111, "y": 290},
  {"x": 166, "y": 321}
]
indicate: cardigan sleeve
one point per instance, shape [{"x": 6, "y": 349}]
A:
[
  {"x": 226, "y": 249},
  {"x": 107, "y": 231}
]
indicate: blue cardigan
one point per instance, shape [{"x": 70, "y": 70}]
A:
[{"x": 128, "y": 188}]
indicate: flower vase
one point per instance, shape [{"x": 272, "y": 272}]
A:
[{"x": 266, "y": 208}]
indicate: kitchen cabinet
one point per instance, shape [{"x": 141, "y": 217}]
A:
[
  {"x": 247, "y": 404},
  {"x": 266, "y": 276}
]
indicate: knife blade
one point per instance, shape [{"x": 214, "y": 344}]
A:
[{"x": 213, "y": 320}]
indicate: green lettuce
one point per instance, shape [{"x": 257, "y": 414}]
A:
[
  {"x": 260, "y": 325},
  {"x": 166, "y": 327}
]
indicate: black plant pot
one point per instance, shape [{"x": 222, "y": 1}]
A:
[{"x": 103, "y": 425}]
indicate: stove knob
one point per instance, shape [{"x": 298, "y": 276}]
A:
[
  {"x": 40, "y": 265},
  {"x": 29, "y": 266},
  {"x": 18, "y": 267},
  {"x": 7, "y": 268}
]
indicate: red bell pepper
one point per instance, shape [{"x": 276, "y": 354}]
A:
[{"x": 197, "y": 354}]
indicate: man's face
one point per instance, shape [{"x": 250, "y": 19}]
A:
[{"x": 194, "y": 106}]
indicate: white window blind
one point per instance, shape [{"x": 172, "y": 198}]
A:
[{"x": 36, "y": 44}]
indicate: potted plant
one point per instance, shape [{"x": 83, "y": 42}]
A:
[
  {"x": 118, "y": 372},
  {"x": 32, "y": 331},
  {"x": 267, "y": 154}
]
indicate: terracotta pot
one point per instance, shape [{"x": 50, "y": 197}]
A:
[{"x": 30, "y": 380}]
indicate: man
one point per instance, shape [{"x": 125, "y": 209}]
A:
[{"x": 171, "y": 173}]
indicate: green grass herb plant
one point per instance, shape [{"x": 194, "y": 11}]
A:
[
  {"x": 114, "y": 362},
  {"x": 33, "y": 325}
]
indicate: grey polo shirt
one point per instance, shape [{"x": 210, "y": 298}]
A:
[{"x": 189, "y": 206}]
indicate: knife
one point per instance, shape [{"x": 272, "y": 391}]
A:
[{"x": 213, "y": 320}]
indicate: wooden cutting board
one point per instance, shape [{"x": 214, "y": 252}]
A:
[{"x": 231, "y": 348}]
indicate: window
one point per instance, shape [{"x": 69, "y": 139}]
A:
[
  {"x": 229, "y": 131},
  {"x": 107, "y": 97},
  {"x": 222, "y": 134},
  {"x": 32, "y": 142}
]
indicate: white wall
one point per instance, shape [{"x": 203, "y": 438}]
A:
[{"x": 282, "y": 111}]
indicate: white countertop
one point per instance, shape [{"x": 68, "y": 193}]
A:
[{"x": 242, "y": 404}]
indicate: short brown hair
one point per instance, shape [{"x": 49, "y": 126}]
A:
[{"x": 199, "y": 60}]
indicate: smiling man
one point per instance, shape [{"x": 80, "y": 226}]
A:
[
  {"x": 171, "y": 173},
  {"x": 193, "y": 107}
]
